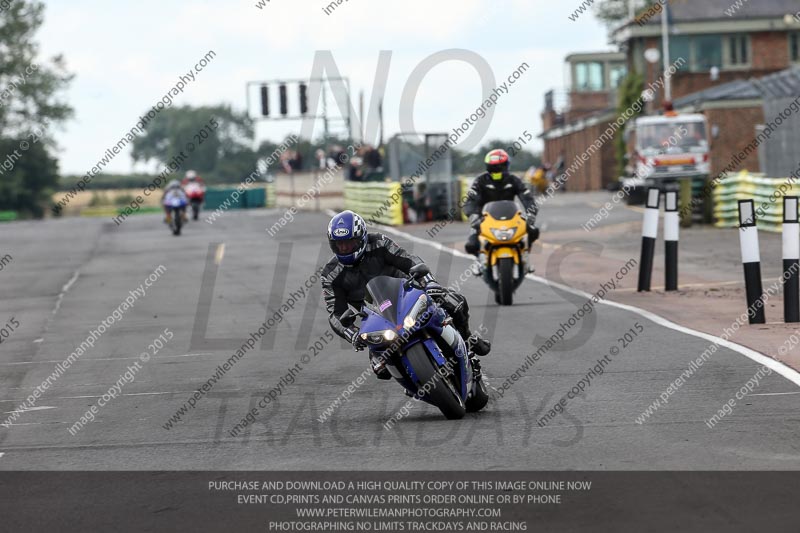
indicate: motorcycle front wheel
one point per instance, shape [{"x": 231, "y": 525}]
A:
[
  {"x": 439, "y": 391},
  {"x": 505, "y": 283}
]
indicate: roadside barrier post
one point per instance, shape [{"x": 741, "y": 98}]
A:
[
  {"x": 791, "y": 260},
  {"x": 649, "y": 235},
  {"x": 672, "y": 225},
  {"x": 751, "y": 259}
]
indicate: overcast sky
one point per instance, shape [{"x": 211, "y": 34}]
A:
[{"x": 126, "y": 55}]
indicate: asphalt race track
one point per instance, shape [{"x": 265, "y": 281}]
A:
[{"x": 68, "y": 275}]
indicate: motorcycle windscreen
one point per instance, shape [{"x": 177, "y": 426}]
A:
[
  {"x": 502, "y": 210},
  {"x": 382, "y": 296}
]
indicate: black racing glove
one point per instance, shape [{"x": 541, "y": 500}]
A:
[
  {"x": 475, "y": 221},
  {"x": 533, "y": 231},
  {"x": 433, "y": 289},
  {"x": 358, "y": 343}
]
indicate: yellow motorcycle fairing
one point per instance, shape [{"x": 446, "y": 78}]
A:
[{"x": 503, "y": 229}]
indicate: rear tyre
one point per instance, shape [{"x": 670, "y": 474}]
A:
[
  {"x": 177, "y": 222},
  {"x": 440, "y": 392},
  {"x": 195, "y": 211},
  {"x": 505, "y": 285}
]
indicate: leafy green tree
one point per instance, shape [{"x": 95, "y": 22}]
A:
[
  {"x": 613, "y": 13},
  {"x": 234, "y": 166},
  {"x": 28, "y": 184},
  {"x": 190, "y": 132},
  {"x": 630, "y": 91},
  {"x": 30, "y": 104},
  {"x": 472, "y": 162}
]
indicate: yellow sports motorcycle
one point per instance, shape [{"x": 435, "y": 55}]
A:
[{"x": 503, "y": 249}]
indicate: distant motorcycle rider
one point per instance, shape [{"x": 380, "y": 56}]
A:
[
  {"x": 360, "y": 256},
  {"x": 173, "y": 189},
  {"x": 191, "y": 178},
  {"x": 496, "y": 184}
]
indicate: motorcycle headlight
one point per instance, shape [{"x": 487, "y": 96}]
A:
[
  {"x": 413, "y": 315},
  {"x": 503, "y": 234},
  {"x": 379, "y": 337}
]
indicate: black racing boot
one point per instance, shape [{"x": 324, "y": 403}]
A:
[
  {"x": 477, "y": 375},
  {"x": 379, "y": 367},
  {"x": 478, "y": 345}
]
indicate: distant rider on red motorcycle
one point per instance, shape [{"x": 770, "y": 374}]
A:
[{"x": 195, "y": 189}]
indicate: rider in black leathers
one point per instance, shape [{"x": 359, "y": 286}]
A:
[
  {"x": 494, "y": 185},
  {"x": 345, "y": 277}
]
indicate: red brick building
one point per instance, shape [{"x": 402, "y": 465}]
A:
[
  {"x": 733, "y": 111},
  {"x": 717, "y": 46}
]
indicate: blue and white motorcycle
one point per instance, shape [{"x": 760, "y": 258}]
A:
[
  {"x": 415, "y": 340},
  {"x": 176, "y": 203}
]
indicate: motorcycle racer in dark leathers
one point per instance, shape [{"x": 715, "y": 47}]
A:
[
  {"x": 496, "y": 184},
  {"x": 360, "y": 256}
]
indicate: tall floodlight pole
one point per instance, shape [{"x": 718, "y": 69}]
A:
[
  {"x": 665, "y": 45},
  {"x": 325, "y": 112}
]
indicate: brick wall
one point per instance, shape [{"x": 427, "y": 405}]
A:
[
  {"x": 770, "y": 51},
  {"x": 597, "y": 172},
  {"x": 736, "y": 131},
  {"x": 582, "y": 104}
]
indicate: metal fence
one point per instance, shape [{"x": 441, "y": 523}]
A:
[{"x": 421, "y": 156}]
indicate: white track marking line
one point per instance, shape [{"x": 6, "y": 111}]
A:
[
  {"x": 37, "y": 408},
  {"x": 773, "y": 393},
  {"x": 64, "y": 291},
  {"x": 785, "y": 371},
  {"x": 2, "y": 454},
  {"x": 219, "y": 254},
  {"x": 107, "y": 359},
  {"x": 89, "y": 396}
]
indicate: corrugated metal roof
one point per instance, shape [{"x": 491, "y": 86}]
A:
[
  {"x": 782, "y": 84},
  {"x": 735, "y": 90},
  {"x": 706, "y": 10}
]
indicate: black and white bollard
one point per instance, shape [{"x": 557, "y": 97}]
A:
[
  {"x": 791, "y": 260},
  {"x": 751, "y": 259},
  {"x": 649, "y": 235},
  {"x": 672, "y": 224}
]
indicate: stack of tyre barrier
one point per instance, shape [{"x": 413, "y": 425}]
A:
[
  {"x": 767, "y": 195},
  {"x": 466, "y": 183},
  {"x": 378, "y": 202},
  {"x": 271, "y": 195}
]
